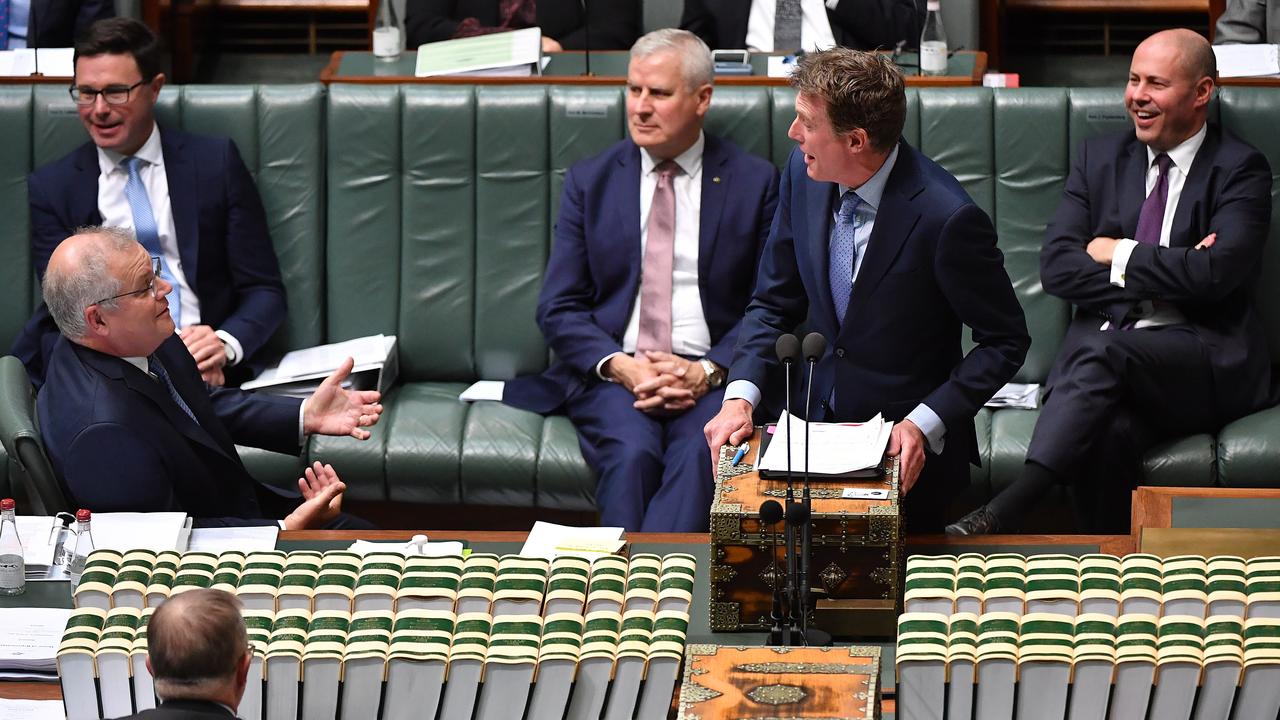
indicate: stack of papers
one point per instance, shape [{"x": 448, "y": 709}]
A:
[
  {"x": 54, "y": 62},
  {"x": 550, "y": 541},
  {"x": 29, "y": 643},
  {"x": 1025, "y": 396},
  {"x": 836, "y": 450},
  {"x": 140, "y": 531},
  {"x": 498, "y": 54},
  {"x": 218, "y": 540},
  {"x": 32, "y": 709},
  {"x": 1247, "y": 60}
]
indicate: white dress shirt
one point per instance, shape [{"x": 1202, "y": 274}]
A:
[
  {"x": 115, "y": 211},
  {"x": 19, "y": 23},
  {"x": 1153, "y": 313},
  {"x": 690, "y": 335},
  {"x": 815, "y": 28}
]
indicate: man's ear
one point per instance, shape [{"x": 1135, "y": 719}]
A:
[
  {"x": 858, "y": 140},
  {"x": 1204, "y": 91},
  {"x": 94, "y": 321}
]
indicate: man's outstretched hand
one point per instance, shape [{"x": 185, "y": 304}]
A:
[
  {"x": 331, "y": 410},
  {"x": 321, "y": 498}
]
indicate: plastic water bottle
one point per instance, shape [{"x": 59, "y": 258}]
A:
[
  {"x": 13, "y": 570},
  {"x": 84, "y": 546},
  {"x": 387, "y": 44},
  {"x": 933, "y": 41}
]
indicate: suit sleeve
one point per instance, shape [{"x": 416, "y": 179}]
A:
[
  {"x": 1066, "y": 270},
  {"x": 721, "y": 353},
  {"x": 47, "y": 229},
  {"x": 565, "y": 305},
  {"x": 89, "y": 12},
  {"x": 429, "y": 21},
  {"x": 268, "y": 422},
  {"x": 613, "y": 27},
  {"x": 1241, "y": 217},
  {"x": 1242, "y": 21},
  {"x": 970, "y": 272},
  {"x": 779, "y": 302},
  {"x": 879, "y": 24},
  {"x": 697, "y": 19},
  {"x": 259, "y": 305}
]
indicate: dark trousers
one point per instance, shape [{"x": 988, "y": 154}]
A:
[
  {"x": 1113, "y": 394},
  {"x": 654, "y": 472}
]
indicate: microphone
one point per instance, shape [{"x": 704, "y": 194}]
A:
[
  {"x": 770, "y": 514},
  {"x": 33, "y": 38},
  {"x": 787, "y": 348},
  {"x": 813, "y": 348}
]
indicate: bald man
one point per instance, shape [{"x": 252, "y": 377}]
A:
[
  {"x": 1157, "y": 243},
  {"x": 198, "y": 654},
  {"x": 130, "y": 426}
]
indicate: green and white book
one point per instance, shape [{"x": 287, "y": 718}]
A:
[
  {"x": 962, "y": 659},
  {"x": 643, "y": 573},
  {"x": 519, "y": 586},
  {"x": 930, "y": 584},
  {"x": 416, "y": 661},
  {"x": 1100, "y": 585},
  {"x": 1225, "y": 575},
  {"x": 971, "y": 572},
  {"x": 297, "y": 587},
  {"x": 1004, "y": 584},
  {"x": 1053, "y": 584},
  {"x": 1259, "y": 695},
  {"x": 607, "y": 587},
  {"x": 259, "y": 586},
  {"x": 666, "y": 650},
  {"x": 1223, "y": 665},
  {"x": 1184, "y": 586},
  {"x": 1092, "y": 666},
  {"x": 509, "y": 666},
  {"x": 195, "y": 570},
  {"x": 378, "y": 582},
  {"x": 1141, "y": 580},
  {"x": 595, "y": 663},
  {"x": 335, "y": 586},
  {"x": 1179, "y": 662},
  {"x": 567, "y": 585},
  {"x": 1136, "y": 638},
  {"x": 144, "y": 689},
  {"x": 283, "y": 666},
  {"x": 466, "y": 662},
  {"x": 97, "y": 580},
  {"x": 132, "y": 579},
  {"x": 1045, "y": 650},
  {"x": 226, "y": 574},
  {"x": 558, "y": 651},
  {"x": 429, "y": 583},
  {"x": 163, "y": 572},
  {"x": 997, "y": 659},
  {"x": 257, "y": 624},
  {"x": 365, "y": 662},
  {"x": 634, "y": 640},
  {"x": 1262, "y": 585},
  {"x": 115, "y": 681},
  {"x": 475, "y": 589},
  {"x": 675, "y": 587},
  {"x": 77, "y": 670},
  {"x": 921, "y": 659},
  {"x": 322, "y": 657}
]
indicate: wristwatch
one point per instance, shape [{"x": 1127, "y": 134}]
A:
[{"x": 714, "y": 373}]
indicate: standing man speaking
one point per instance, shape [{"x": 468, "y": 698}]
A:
[{"x": 884, "y": 253}]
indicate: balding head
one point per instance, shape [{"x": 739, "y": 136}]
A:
[
  {"x": 1171, "y": 81},
  {"x": 197, "y": 647},
  {"x": 1194, "y": 54}
]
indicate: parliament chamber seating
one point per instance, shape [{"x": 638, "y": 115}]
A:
[{"x": 426, "y": 211}]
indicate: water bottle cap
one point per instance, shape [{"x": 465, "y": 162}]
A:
[
  {"x": 933, "y": 5},
  {"x": 6, "y": 504},
  {"x": 83, "y": 515}
]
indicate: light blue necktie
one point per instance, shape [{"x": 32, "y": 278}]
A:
[
  {"x": 153, "y": 364},
  {"x": 144, "y": 226},
  {"x": 4, "y": 24},
  {"x": 843, "y": 253}
]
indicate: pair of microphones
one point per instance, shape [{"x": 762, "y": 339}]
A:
[{"x": 791, "y": 600}]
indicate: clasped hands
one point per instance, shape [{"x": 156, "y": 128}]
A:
[
  {"x": 206, "y": 348},
  {"x": 664, "y": 384},
  {"x": 1102, "y": 249}
]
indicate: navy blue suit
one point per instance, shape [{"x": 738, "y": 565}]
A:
[
  {"x": 588, "y": 294},
  {"x": 931, "y": 267},
  {"x": 120, "y": 442},
  {"x": 221, "y": 230}
]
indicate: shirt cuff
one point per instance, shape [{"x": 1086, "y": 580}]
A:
[
  {"x": 600, "y": 366},
  {"x": 281, "y": 523},
  {"x": 831, "y": 4},
  {"x": 302, "y": 413},
  {"x": 234, "y": 351},
  {"x": 1120, "y": 260},
  {"x": 742, "y": 390},
  {"x": 935, "y": 431}
]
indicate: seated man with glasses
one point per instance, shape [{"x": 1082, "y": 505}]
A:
[
  {"x": 130, "y": 427},
  {"x": 189, "y": 199}
]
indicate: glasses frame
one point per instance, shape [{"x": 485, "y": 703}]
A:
[
  {"x": 78, "y": 94},
  {"x": 150, "y": 288}
]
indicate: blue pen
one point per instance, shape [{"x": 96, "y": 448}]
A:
[{"x": 742, "y": 451}]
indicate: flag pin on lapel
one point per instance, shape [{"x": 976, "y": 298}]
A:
[{"x": 715, "y": 179}]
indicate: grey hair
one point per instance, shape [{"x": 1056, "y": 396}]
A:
[
  {"x": 695, "y": 57},
  {"x": 68, "y": 291}
]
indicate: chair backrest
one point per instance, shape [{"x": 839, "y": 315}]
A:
[{"x": 21, "y": 437}]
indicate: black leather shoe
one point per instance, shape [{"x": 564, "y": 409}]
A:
[{"x": 979, "y": 522}]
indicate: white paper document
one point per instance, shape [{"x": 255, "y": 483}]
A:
[
  {"x": 32, "y": 709},
  {"x": 54, "y": 62},
  {"x": 548, "y": 540},
  {"x": 834, "y": 448},
  {"x": 1025, "y": 396},
  {"x": 427, "y": 549},
  {"x": 37, "y": 540},
  {"x": 1247, "y": 60},
  {"x": 139, "y": 531},
  {"x": 506, "y": 53},
  {"x": 240, "y": 539},
  {"x": 483, "y": 390},
  {"x": 324, "y": 358},
  {"x": 30, "y": 638}
]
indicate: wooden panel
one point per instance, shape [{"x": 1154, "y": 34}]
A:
[{"x": 1153, "y": 507}]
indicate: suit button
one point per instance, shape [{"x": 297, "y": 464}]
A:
[{"x": 839, "y": 352}]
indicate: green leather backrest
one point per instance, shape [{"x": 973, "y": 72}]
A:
[{"x": 278, "y": 130}]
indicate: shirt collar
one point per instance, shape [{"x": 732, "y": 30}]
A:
[
  {"x": 138, "y": 362},
  {"x": 1184, "y": 152},
  {"x": 690, "y": 161},
  {"x": 873, "y": 189},
  {"x": 151, "y": 152}
]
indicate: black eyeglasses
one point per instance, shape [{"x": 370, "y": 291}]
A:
[
  {"x": 113, "y": 94},
  {"x": 150, "y": 288}
]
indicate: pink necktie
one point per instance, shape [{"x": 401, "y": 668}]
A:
[{"x": 655, "y": 274}]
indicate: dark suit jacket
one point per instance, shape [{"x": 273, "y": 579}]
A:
[
  {"x": 931, "y": 266},
  {"x": 593, "y": 273},
  {"x": 221, "y": 230},
  {"x": 57, "y": 23},
  {"x": 615, "y": 24},
  {"x": 183, "y": 710},
  {"x": 861, "y": 24},
  {"x": 1227, "y": 191},
  {"x": 121, "y": 443}
]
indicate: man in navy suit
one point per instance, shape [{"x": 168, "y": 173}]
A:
[
  {"x": 887, "y": 256},
  {"x": 190, "y": 199},
  {"x": 130, "y": 426},
  {"x": 654, "y": 255},
  {"x": 818, "y": 24},
  {"x": 1158, "y": 243}
]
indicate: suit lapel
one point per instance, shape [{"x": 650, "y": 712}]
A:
[
  {"x": 83, "y": 192},
  {"x": 818, "y": 199},
  {"x": 715, "y": 186},
  {"x": 1132, "y": 185},
  {"x": 626, "y": 198},
  {"x": 184, "y": 201},
  {"x": 1194, "y": 188},
  {"x": 895, "y": 219}
]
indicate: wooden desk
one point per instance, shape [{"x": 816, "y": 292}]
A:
[{"x": 965, "y": 68}]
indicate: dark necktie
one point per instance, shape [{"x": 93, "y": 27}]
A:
[
  {"x": 843, "y": 253},
  {"x": 153, "y": 364},
  {"x": 786, "y": 26},
  {"x": 1151, "y": 217},
  {"x": 659, "y": 259}
]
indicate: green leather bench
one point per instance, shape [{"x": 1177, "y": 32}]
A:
[{"x": 427, "y": 212}]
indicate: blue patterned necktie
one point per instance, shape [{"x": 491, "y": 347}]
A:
[
  {"x": 843, "y": 253},
  {"x": 144, "y": 226},
  {"x": 4, "y": 24},
  {"x": 153, "y": 364}
]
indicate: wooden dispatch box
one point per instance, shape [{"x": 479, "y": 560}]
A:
[
  {"x": 793, "y": 683},
  {"x": 856, "y": 560}
]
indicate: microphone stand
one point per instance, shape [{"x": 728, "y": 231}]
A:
[
  {"x": 786, "y": 351},
  {"x": 770, "y": 514},
  {"x": 33, "y": 40},
  {"x": 586, "y": 35},
  {"x": 814, "y": 345}
]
